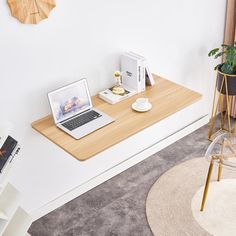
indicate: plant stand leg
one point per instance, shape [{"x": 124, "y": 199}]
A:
[
  {"x": 214, "y": 108},
  {"x": 222, "y": 116},
  {"x": 227, "y": 103},
  {"x": 212, "y": 120}
]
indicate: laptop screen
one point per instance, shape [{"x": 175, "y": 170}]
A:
[{"x": 70, "y": 100}]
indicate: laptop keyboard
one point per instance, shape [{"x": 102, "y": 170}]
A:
[{"x": 81, "y": 120}]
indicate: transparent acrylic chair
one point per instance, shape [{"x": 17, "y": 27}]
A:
[{"x": 221, "y": 152}]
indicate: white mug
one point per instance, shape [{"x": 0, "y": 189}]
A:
[{"x": 142, "y": 102}]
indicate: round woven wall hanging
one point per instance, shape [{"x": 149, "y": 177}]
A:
[{"x": 31, "y": 11}]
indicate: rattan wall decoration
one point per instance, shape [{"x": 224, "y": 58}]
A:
[{"x": 31, "y": 11}]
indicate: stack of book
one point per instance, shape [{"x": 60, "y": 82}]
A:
[
  {"x": 135, "y": 76},
  {"x": 9, "y": 149},
  {"x": 135, "y": 71}
]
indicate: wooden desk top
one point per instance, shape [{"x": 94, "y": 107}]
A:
[{"x": 166, "y": 97}]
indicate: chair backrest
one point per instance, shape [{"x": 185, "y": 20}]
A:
[{"x": 223, "y": 148}]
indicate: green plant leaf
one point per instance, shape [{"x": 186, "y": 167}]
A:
[
  {"x": 227, "y": 68},
  {"x": 219, "y": 54},
  {"x": 229, "y": 65},
  {"x": 213, "y": 52}
]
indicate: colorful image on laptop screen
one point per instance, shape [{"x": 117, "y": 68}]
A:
[{"x": 69, "y": 101}]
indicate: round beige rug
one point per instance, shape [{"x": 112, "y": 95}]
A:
[
  {"x": 219, "y": 216},
  {"x": 169, "y": 202}
]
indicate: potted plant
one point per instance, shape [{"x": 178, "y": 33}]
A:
[{"x": 227, "y": 69}]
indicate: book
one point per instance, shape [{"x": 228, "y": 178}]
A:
[
  {"x": 132, "y": 72},
  {"x": 149, "y": 80},
  {"x": 142, "y": 69},
  {"x": 108, "y": 96},
  {"x": 6, "y": 151}
]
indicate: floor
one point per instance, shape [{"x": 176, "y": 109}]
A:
[{"x": 117, "y": 207}]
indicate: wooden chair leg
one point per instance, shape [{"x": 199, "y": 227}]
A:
[{"x": 207, "y": 185}]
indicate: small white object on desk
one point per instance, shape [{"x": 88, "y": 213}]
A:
[
  {"x": 108, "y": 96},
  {"x": 142, "y": 105}
]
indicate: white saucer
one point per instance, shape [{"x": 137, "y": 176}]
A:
[{"x": 137, "y": 108}]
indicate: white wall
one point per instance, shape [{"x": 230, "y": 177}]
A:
[{"x": 86, "y": 38}]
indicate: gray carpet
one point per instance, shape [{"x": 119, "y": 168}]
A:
[{"x": 117, "y": 207}]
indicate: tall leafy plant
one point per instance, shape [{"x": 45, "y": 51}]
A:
[{"x": 229, "y": 54}]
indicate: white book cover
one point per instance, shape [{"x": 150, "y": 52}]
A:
[
  {"x": 142, "y": 69},
  {"x": 131, "y": 71},
  {"x": 149, "y": 80}
]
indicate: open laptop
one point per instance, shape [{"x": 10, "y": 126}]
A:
[{"x": 73, "y": 111}]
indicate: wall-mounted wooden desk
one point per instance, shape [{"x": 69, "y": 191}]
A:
[{"x": 166, "y": 97}]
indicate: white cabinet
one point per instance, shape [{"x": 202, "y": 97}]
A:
[
  {"x": 19, "y": 224},
  {"x": 14, "y": 221}
]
